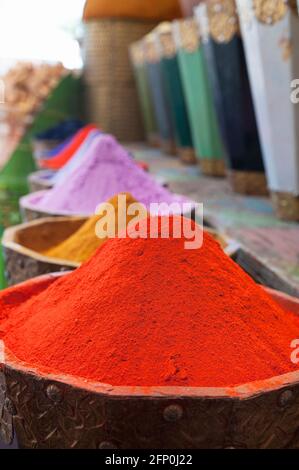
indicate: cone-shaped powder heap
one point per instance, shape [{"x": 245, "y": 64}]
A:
[
  {"x": 148, "y": 312},
  {"x": 80, "y": 246},
  {"x": 106, "y": 170},
  {"x": 76, "y": 160}
]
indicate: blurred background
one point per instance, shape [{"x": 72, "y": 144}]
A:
[{"x": 49, "y": 33}]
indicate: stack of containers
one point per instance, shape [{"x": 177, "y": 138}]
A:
[
  {"x": 271, "y": 33},
  {"x": 225, "y": 60},
  {"x": 202, "y": 114},
  {"x": 158, "y": 94},
  {"x": 143, "y": 87},
  {"x": 175, "y": 93}
]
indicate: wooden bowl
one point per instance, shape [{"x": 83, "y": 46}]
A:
[
  {"x": 62, "y": 411},
  {"x": 23, "y": 244},
  {"x": 40, "y": 180}
]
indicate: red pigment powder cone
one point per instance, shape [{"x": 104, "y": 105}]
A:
[{"x": 148, "y": 312}]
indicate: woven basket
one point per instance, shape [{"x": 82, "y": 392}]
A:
[
  {"x": 111, "y": 96},
  {"x": 116, "y": 110}
]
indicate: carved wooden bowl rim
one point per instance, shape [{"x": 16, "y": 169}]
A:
[
  {"x": 10, "y": 237},
  {"x": 242, "y": 392},
  {"x": 230, "y": 246}
]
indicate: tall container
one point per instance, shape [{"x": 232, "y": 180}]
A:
[
  {"x": 175, "y": 94},
  {"x": 143, "y": 88},
  {"x": 202, "y": 115},
  {"x": 225, "y": 59},
  {"x": 270, "y": 32},
  {"x": 111, "y": 97},
  {"x": 158, "y": 94}
]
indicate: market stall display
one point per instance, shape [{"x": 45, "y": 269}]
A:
[
  {"x": 225, "y": 60},
  {"x": 140, "y": 312},
  {"x": 58, "y": 353},
  {"x": 269, "y": 34},
  {"x": 106, "y": 170}
]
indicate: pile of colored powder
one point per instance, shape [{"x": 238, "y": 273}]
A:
[
  {"x": 56, "y": 150},
  {"x": 106, "y": 170},
  {"x": 61, "y": 159},
  {"x": 148, "y": 312},
  {"x": 84, "y": 242},
  {"x": 61, "y": 131},
  {"x": 76, "y": 160}
]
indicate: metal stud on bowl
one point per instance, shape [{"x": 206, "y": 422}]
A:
[{"x": 173, "y": 413}]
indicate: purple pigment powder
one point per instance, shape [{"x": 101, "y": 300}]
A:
[{"x": 106, "y": 171}]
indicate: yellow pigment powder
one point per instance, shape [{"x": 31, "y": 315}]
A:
[{"x": 80, "y": 246}]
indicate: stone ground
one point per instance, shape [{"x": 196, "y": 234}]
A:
[{"x": 269, "y": 247}]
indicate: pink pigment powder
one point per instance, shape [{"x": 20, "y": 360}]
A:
[{"x": 107, "y": 169}]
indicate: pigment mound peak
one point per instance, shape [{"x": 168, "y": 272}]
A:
[
  {"x": 148, "y": 312},
  {"x": 106, "y": 169}
]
